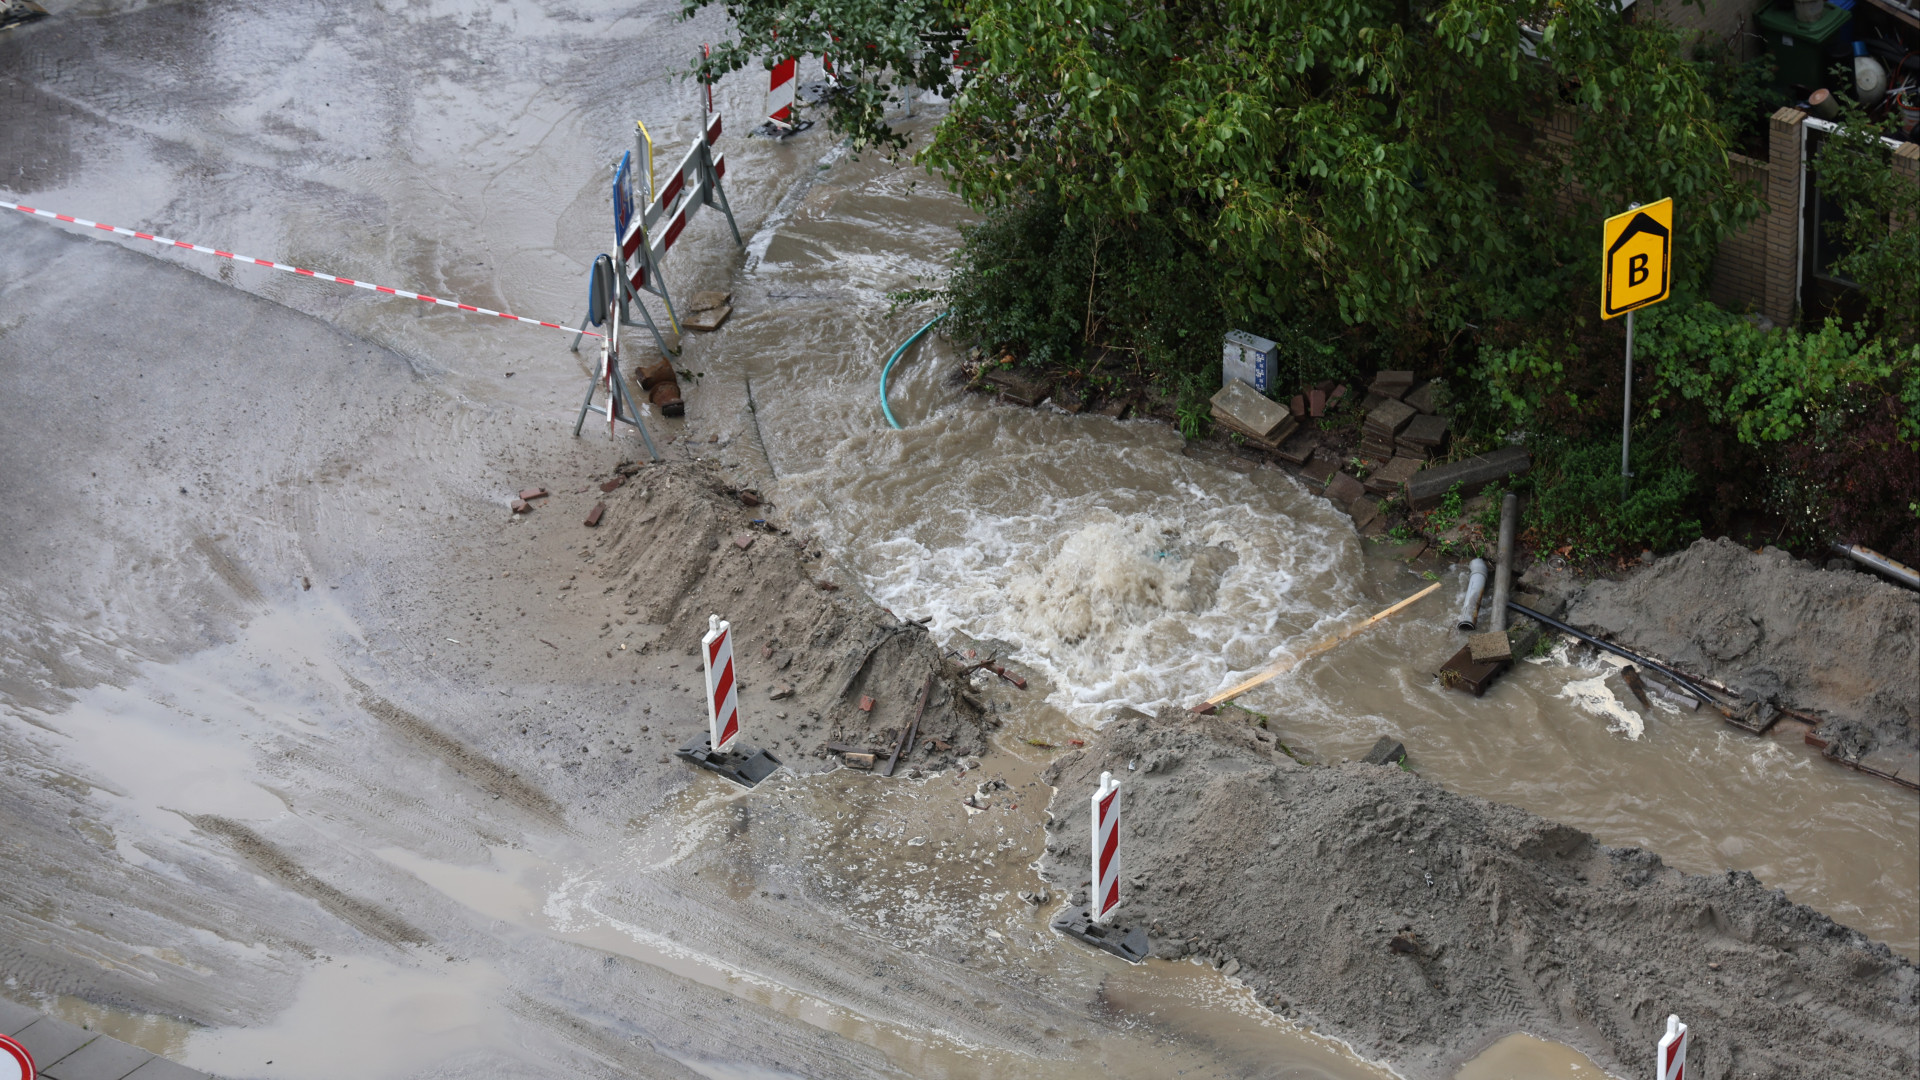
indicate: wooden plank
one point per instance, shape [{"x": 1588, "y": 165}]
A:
[
  {"x": 907, "y": 733},
  {"x": 1286, "y": 664}
]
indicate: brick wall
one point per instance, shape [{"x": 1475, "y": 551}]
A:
[
  {"x": 1740, "y": 265},
  {"x": 1778, "y": 298}
]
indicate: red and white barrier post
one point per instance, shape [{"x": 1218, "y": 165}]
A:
[
  {"x": 721, "y": 749},
  {"x": 1094, "y": 923},
  {"x": 1670, "y": 1060},
  {"x": 780, "y": 88},
  {"x": 723, "y": 695},
  {"x": 1106, "y": 850}
]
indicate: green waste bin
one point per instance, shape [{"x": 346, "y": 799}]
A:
[{"x": 1801, "y": 50}]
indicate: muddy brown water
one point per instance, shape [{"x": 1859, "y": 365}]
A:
[{"x": 1094, "y": 547}]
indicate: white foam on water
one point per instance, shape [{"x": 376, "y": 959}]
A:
[
  {"x": 1594, "y": 696},
  {"x": 1139, "y": 607}
]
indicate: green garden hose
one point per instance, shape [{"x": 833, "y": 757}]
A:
[{"x": 885, "y": 409}]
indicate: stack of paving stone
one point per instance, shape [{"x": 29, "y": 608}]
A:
[
  {"x": 1392, "y": 384},
  {"x": 1388, "y": 479},
  {"x": 1421, "y": 438},
  {"x": 1382, "y": 426},
  {"x": 1262, "y": 422}
]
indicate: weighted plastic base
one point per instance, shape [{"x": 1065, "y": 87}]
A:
[
  {"x": 1127, "y": 943},
  {"x": 740, "y": 763}
]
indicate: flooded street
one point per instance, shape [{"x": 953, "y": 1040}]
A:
[{"x": 304, "y": 732}]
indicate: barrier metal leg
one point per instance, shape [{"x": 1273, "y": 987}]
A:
[
  {"x": 648, "y": 316},
  {"x": 633, "y": 414},
  {"x": 581, "y": 420},
  {"x": 727, "y": 209}
]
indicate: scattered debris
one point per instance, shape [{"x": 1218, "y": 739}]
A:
[
  {"x": 614, "y": 484},
  {"x": 1631, "y": 676},
  {"x": 866, "y": 703},
  {"x": 861, "y": 761},
  {"x": 520, "y": 506},
  {"x": 743, "y": 541},
  {"x": 1386, "y": 751},
  {"x": 594, "y": 515},
  {"x": 1491, "y": 647},
  {"x": 1018, "y": 388},
  {"x": 530, "y": 494}
]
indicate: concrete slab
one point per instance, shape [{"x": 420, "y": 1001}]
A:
[
  {"x": 49, "y": 1040},
  {"x": 161, "y": 1069},
  {"x": 101, "y": 1059},
  {"x": 14, "y": 1016}
]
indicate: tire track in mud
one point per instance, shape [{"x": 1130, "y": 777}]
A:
[
  {"x": 812, "y": 955},
  {"x": 275, "y": 863},
  {"x": 355, "y": 796},
  {"x": 488, "y": 775}
]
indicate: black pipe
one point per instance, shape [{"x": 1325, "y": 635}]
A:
[{"x": 1614, "y": 649}]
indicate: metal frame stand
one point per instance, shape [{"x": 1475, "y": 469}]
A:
[
  {"x": 619, "y": 406},
  {"x": 644, "y": 247}
]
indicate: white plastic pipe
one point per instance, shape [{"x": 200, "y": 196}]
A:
[{"x": 1470, "y": 604}]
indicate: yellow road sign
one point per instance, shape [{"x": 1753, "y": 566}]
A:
[{"x": 1636, "y": 258}]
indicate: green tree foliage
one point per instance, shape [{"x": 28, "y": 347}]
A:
[
  {"x": 1373, "y": 162},
  {"x": 1770, "y": 386},
  {"x": 880, "y": 49},
  {"x": 1880, "y": 231}
]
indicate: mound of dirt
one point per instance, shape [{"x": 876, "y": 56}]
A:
[
  {"x": 1837, "y": 643},
  {"x": 1419, "y": 925},
  {"x": 684, "y": 544}
]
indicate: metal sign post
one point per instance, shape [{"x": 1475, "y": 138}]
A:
[{"x": 1636, "y": 271}]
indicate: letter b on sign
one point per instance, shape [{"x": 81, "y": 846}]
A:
[{"x": 1636, "y": 258}]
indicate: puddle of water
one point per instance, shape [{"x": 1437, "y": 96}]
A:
[
  {"x": 161, "y": 1035},
  {"x": 1523, "y": 1057},
  {"x": 381, "y": 1019}
]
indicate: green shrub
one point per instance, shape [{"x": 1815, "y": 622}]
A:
[{"x": 1577, "y": 504}]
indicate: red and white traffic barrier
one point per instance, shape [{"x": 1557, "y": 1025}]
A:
[
  {"x": 1106, "y": 850},
  {"x": 651, "y": 233},
  {"x": 284, "y": 267},
  {"x": 1670, "y": 1060},
  {"x": 780, "y": 88},
  {"x": 722, "y": 749},
  {"x": 723, "y": 692},
  {"x": 15, "y": 1062}
]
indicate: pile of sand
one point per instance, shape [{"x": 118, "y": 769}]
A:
[
  {"x": 682, "y": 543},
  {"x": 1841, "y": 644},
  {"x": 1419, "y": 925}
]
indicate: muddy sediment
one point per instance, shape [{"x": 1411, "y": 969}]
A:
[
  {"x": 1840, "y": 644},
  {"x": 1420, "y": 925}
]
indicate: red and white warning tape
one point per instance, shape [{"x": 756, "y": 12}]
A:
[{"x": 404, "y": 294}]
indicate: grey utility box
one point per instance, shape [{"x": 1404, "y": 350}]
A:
[{"x": 1249, "y": 358}]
